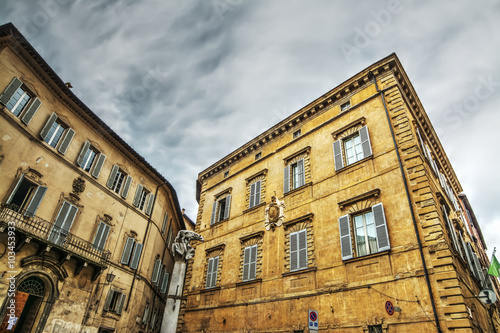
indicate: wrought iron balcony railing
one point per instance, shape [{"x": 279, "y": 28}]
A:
[{"x": 35, "y": 227}]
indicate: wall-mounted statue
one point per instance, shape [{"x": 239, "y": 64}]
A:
[{"x": 181, "y": 247}]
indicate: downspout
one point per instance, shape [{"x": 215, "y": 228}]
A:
[
  {"x": 143, "y": 245},
  {"x": 415, "y": 225}
]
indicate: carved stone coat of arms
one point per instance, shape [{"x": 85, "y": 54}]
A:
[{"x": 275, "y": 213}]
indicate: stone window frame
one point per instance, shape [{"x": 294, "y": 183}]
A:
[
  {"x": 303, "y": 154},
  {"x": 358, "y": 205},
  {"x": 297, "y": 224},
  {"x": 259, "y": 176},
  {"x": 347, "y": 132},
  {"x": 215, "y": 251},
  {"x": 215, "y": 216},
  {"x": 255, "y": 238}
]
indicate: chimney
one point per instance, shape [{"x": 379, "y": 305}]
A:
[{"x": 183, "y": 210}]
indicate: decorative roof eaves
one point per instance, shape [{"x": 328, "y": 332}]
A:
[{"x": 314, "y": 108}]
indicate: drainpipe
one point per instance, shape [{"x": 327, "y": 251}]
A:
[
  {"x": 143, "y": 245},
  {"x": 415, "y": 225}
]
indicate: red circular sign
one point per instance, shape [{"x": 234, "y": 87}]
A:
[
  {"x": 313, "y": 316},
  {"x": 389, "y": 308}
]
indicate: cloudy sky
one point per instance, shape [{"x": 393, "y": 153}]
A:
[{"x": 187, "y": 82}]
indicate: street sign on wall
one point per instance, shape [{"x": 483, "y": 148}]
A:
[{"x": 313, "y": 320}]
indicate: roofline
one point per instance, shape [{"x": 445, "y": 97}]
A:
[{"x": 9, "y": 29}]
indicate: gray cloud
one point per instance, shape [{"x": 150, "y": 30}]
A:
[{"x": 185, "y": 83}]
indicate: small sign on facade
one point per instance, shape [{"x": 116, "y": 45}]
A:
[
  {"x": 389, "y": 308},
  {"x": 313, "y": 320}
]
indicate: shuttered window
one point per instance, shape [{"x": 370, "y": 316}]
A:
[
  {"x": 101, "y": 236},
  {"x": 26, "y": 196},
  {"x": 354, "y": 148},
  {"x": 165, "y": 223},
  {"x": 452, "y": 232},
  {"x": 127, "y": 251},
  {"x": 114, "y": 301},
  {"x": 17, "y": 99},
  {"x": 164, "y": 282},
  {"x": 155, "y": 278},
  {"x": 57, "y": 134},
  {"x": 213, "y": 266},
  {"x": 143, "y": 198},
  {"x": 63, "y": 223},
  {"x": 220, "y": 209},
  {"x": 298, "y": 250},
  {"x": 136, "y": 256},
  {"x": 119, "y": 181},
  {"x": 250, "y": 263},
  {"x": 255, "y": 189},
  {"x": 90, "y": 159},
  {"x": 145, "y": 315},
  {"x": 369, "y": 230}
]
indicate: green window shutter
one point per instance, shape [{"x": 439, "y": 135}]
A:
[
  {"x": 137, "y": 197},
  {"x": 30, "y": 112},
  {"x": 112, "y": 176},
  {"x": 109, "y": 298},
  {"x": 126, "y": 186},
  {"x": 134, "y": 263},
  {"x": 119, "y": 303},
  {"x": 98, "y": 166},
  {"x": 286, "y": 179},
  {"x": 35, "y": 202},
  {"x": 48, "y": 125},
  {"x": 127, "y": 251},
  {"x": 214, "y": 213},
  {"x": 156, "y": 272},
  {"x": 294, "y": 260},
  {"x": 81, "y": 156},
  {"x": 365, "y": 141},
  {"x": 164, "y": 283},
  {"x": 227, "y": 208},
  {"x": 345, "y": 237},
  {"x": 68, "y": 137},
  {"x": 337, "y": 155},
  {"x": 381, "y": 227},
  {"x": 10, "y": 90},
  {"x": 149, "y": 206}
]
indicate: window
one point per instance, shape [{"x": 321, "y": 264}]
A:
[
  {"x": 155, "y": 277},
  {"x": 452, "y": 232},
  {"x": 255, "y": 193},
  {"x": 369, "y": 230},
  {"x": 294, "y": 176},
  {"x": 298, "y": 250},
  {"x": 375, "y": 329},
  {"x": 114, "y": 301},
  {"x": 250, "y": 263},
  {"x": 170, "y": 237},
  {"x": 152, "y": 323},
  {"x": 90, "y": 159},
  {"x": 101, "y": 236},
  {"x": 131, "y": 253},
  {"x": 63, "y": 223},
  {"x": 345, "y": 106},
  {"x": 258, "y": 156},
  {"x": 145, "y": 315},
  {"x": 220, "y": 209},
  {"x": 26, "y": 196},
  {"x": 57, "y": 134},
  {"x": 143, "y": 198},
  {"x": 212, "y": 269},
  {"x": 297, "y": 133},
  {"x": 226, "y": 174},
  {"x": 119, "y": 182},
  {"x": 165, "y": 222},
  {"x": 352, "y": 148},
  {"x": 17, "y": 99}
]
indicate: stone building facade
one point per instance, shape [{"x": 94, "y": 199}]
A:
[
  {"x": 348, "y": 207},
  {"x": 86, "y": 224}
]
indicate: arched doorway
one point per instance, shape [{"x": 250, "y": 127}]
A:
[{"x": 28, "y": 300}]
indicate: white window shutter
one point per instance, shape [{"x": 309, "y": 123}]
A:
[
  {"x": 68, "y": 137},
  {"x": 294, "y": 260},
  {"x": 337, "y": 155},
  {"x": 10, "y": 90},
  {"x": 214, "y": 213},
  {"x": 228, "y": 206},
  {"x": 137, "y": 197},
  {"x": 85, "y": 147},
  {"x": 31, "y": 110},
  {"x": 98, "y": 166},
  {"x": 112, "y": 176},
  {"x": 365, "y": 141},
  {"x": 286, "y": 179},
  {"x": 35, "y": 202},
  {"x": 48, "y": 125},
  {"x": 345, "y": 237},
  {"x": 381, "y": 227}
]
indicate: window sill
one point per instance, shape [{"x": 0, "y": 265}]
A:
[
  {"x": 207, "y": 290},
  {"x": 244, "y": 283},
  {"x": 300, "y": 271},
  {"x": 355, "y": 163},
  {"x": 368, "y": 256},
  {"x": 297, "y": 189},
  {"x": 254, "y": 207}
]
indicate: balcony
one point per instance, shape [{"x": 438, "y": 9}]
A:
[{"x": 51, "y": 237}]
